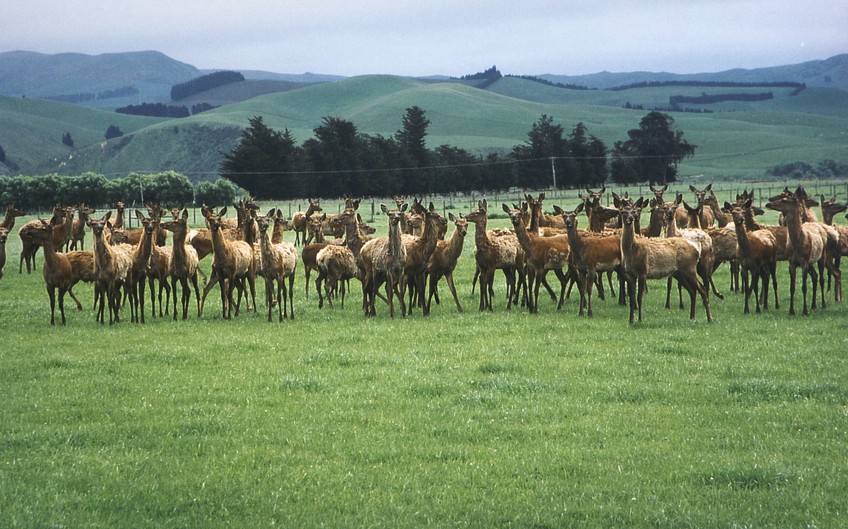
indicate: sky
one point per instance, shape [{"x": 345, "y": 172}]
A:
[{"x": 439, "y": 37}]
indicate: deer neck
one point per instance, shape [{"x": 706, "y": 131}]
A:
[
  {"x": 742, "y": 238},
  {"x": 574, "y": 241},
  {"x": 277, "y": 236},
  {"x": 671, "y": 228},
  {"x": 751, "y": 223},
  {"x": 655, "y": 223},
  {"x": 523, "y": 237},
  {"x": 354, "y": 239},
  {"x": 628, "y": 237},
  {"x": 793, "y": 222}
]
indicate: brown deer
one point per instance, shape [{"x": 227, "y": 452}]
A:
[
  {"x": 183, "y": 266},
  {"x": 830, "y": 208},
  {"x": 141, "y": 264},
  {"x": 646, "y": 258},
  {"x": 385, "y": 258},
  {"x": 492, "y": 253},
  {"x": 300, "y": 221},
  {"x": 694, "y": 233},
  {"x": 806, "y": 243},
  {"x": 4, "y": 234},
  {"x": 78, "y": 228},
  {"x": 29, "y": 246},
  {"x": 590, "y": 252},
  {"x": 280, "y": 227},
  {"x": 56, "y": 270},
  {"x": 336, "y": 263},
  {"x": 231, "y": 264},
  {"x": 160, "y": 272},
  {"x": 418, "y": 253},
  {"x": 12, "y": 213},
  {"x": 443, "y": 261},
  {"x": 112, "y": 269},
  {"x": 310, "y": 251},
  {"x": 541, "y": 254},
  {"x": 756, "y": 252}
]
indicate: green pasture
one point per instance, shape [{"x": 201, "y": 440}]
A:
[{"x": 501, "y": 419}]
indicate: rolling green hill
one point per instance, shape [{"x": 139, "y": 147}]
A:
[{"x": 738, "y": 142}]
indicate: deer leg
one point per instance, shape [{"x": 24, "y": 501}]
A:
[{"x": 71, "y": 293}]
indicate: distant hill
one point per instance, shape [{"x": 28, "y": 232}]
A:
[
  {"x": 151, "y": 73},
  {"x": 827, "y": 73}
]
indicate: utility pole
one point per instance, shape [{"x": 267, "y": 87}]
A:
[{"x": 553, "y": 171}]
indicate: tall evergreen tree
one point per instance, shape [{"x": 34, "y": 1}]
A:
[
  {"x": 652, "y": 152},
  {"x": 545, "y": 141}
]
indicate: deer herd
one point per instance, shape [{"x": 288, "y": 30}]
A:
[{"x": 403, "y": 268}]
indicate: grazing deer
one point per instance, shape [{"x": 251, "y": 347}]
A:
[
  {"x": 231, "y": 264},
  {"x": 806, "y": 243},
  {"x": 646, "y": 258},
  {"x": 112, "y": 269},
  {"x": 756, "y": 252},
  {"x": 590, "y": 253},
  {"x": 492, "y": 253},
  {"x": 183, "y": 266},
  {"x": 443, "y": 261},
  {"x": 385, "y": 257},
  {"x": 541, "y": 254},
  {"x": 57, "y": 269}
]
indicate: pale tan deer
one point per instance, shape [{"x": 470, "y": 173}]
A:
[
  {"x": 183, "y": 266},
  {"x": 112, "y": 269},
  {"x": 830, "y": 208},
  {"x": 418, "y": 253},
  {"x": 278, "y": 263},
  {"x": 337, "y": 264},
  {"x": 646, "y": 258},
  {"x": 231, "y": 264},
  {"x": 4, "y": 234},
  {"x": 384, "y": 258},
  {"x": 78, "y": 228}
]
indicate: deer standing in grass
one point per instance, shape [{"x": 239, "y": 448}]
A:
[
  {"x": 278, "y": 263},
  {"x": 232, "y": 262},
  {"x": 806, "y": 244},
  {"x": 443, "y": 261},
  {"x": 492, "y": 253},
  {"x": 78, "y": 227},
  {"x": 4, "y": 234},
  {"x": 756, "y": 255},
  {"x": 300, "y": 220},
  {"x": 183, "y": 266},
  {"x": 418, "y": 252},
  {"x": 830, "y": 208},
  {"x": 11, "y": 214},
  {"x": 29, "y": 247},
  {"x": 646, "y": 258},
  {"x": 541, "y": 254},
  {"x": 112, "y": 269},
  {"x": 56, "y": 270},
  {"x": 337, "y": 263},
  {"x": 385, "y": 258},
  {"x": 590, "y": 253}
]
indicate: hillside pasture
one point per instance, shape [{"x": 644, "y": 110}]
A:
[{"x": 501, "y": 419}]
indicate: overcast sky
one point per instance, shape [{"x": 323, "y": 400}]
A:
[{"x": 450, "y": 37}]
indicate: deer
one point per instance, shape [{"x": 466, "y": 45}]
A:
[
  {"x": 590, "y": 253},
  {"x": 756, "y": 254},
  {"x": 159, "y": 271},
  {"x": 278, "y": 262},
  {"x": 11, "y": 214},
  {"x": 707, "y": 219},
  {"x": 806, "y": 242},
  {"x": 78, "y": 228},
  {"x": 183, "y": 266},
  {"x": 646, "y": 258},
  {"x": 493, "y": 252},
  {"x": 541, "y": 254},
  {"x": 443, "y": 261},
  {"x": 141, "y": 264},
  {"x": 112, "y": 269},
  {"x": 56, "y": 270},
  {"x": 830, "y": 208},
  {"x": 386, "y": 257},
  {"x": 280, "y": 227},
  {"x": 309, "y": 254},
  {"x": 300, "y": 221},
  {"x": 418, "y": 253},
  {"x": 338, "y": 263},
  {"x": 231, "y": 264},
  {"x": 4, "y": 234},
  {"x": 29, "y": 247}
]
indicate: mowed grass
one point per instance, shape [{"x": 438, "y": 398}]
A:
[{"x": 500, "y": 419}]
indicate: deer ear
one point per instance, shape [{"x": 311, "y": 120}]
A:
[
  {"x": 451, "y": 217},
  {"x": 727, "y": 206},
  {"x": 185, "y": 214},
  {"x": 139, "y": 215},
  {"x": 579, "y": 208},
  {"x": 710, "y": 186},
  {"x": 506, "y": 208},
  {"x": 403, "y": 208},
  {"x": 223, "y": 211},
  {"x": 107, "y": 216},
  {"x": 383, "y": 208},
  {"x": 692, "y": 188}
]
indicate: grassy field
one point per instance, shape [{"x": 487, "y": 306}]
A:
[{"x": 500, "y": 419}]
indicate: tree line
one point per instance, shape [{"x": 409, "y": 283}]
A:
[
  {"x": 169, "y": 188},
  {"x": 340, "y": 160}
]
